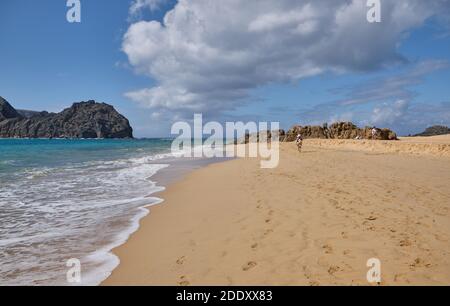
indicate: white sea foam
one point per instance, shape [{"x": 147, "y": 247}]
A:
[
  {"x": 104, "y": 258},
  {"x": 53, "y": 212}
]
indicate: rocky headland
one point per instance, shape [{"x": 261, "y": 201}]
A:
[{"x": 82, "y": 120}]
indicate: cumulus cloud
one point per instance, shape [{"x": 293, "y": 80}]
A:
[
  {"x": 411, "y": 118},
  {"x": 424, "y": 115},
  {"x": 388, "y": 114},
  {"x": 208, "y": 55}
]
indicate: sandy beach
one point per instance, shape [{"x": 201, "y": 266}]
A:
[{"x": 314, "y": 220}]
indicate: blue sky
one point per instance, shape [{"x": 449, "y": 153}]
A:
[{"x": 204, "y": 64}]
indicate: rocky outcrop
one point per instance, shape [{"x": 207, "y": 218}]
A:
[
  {"x": 339, "y": 130},
  {"x": 265, "y": 136},
  {"x": 7, "y": 111},
  {"x": 435, "y": 131},
  {"x": 82, "y": 120},
  {"x": 308, "y": 132}
]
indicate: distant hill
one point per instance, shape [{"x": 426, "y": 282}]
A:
[
  {"x": 435, "y": 131},
  {"x": 82, "y": 120}
]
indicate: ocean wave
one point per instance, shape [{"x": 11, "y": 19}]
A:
[
  {"x": 65, "y": 205},
  {"x": 7, "y": 162},
  {"x": 37, "y": 172}
]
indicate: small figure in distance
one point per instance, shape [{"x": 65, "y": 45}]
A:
[
  {"x": 374, "y": 133},
  {"x": 299, "y": 142}
]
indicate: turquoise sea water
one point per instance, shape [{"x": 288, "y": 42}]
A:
[{"x": 63, "y": 199}]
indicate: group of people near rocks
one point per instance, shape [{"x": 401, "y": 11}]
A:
[{"x": 299, "y": 139}]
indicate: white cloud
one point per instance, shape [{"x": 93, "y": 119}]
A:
[
  {"x": 410, "y": 118},
  {"x": 388, "y": 114},
  {"x": 208, "y": 55},
  {"x": 138, "y": 5}
]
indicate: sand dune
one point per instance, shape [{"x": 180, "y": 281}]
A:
[{"x": 314, "y": 220}]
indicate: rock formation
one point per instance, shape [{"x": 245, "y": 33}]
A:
[
  {"x": 339, "y": 130},
  {"x": 7, "y": 111},
  {"x": 82, "y": 120},
  {"x": 266, "y": 136}
]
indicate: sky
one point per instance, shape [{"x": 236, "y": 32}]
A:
[{"x": 292, "y": 61}]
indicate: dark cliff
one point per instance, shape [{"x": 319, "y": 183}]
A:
[{"x": 81, "y": 120}]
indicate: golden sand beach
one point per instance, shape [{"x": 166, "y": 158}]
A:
[{"x": 314, "y": 220}]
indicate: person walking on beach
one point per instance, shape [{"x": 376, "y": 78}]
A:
[
  {"x": 374, "y": 132},
  {"x": 299, "y": 142}
]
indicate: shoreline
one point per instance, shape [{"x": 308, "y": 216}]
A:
[
  {"x": 305, "y": 223},
  {"x": 177, "y": 169},
  {"x": 170, "y": 184}
]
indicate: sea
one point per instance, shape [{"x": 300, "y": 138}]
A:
[{"x": 73, "y": 201}]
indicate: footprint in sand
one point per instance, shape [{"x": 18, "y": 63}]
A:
[
  {"x": 333, "y": 269},
  {"x": 248, "y": 266},
  {"x": 183, "y": 281},
  {"x": 181, "y": 260},
  {"x": 405, "y": 243},
  {"x": 419, "y": 263},
  {"x": 254, "y": 246},
  {"x": 328, "y": 249}
]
